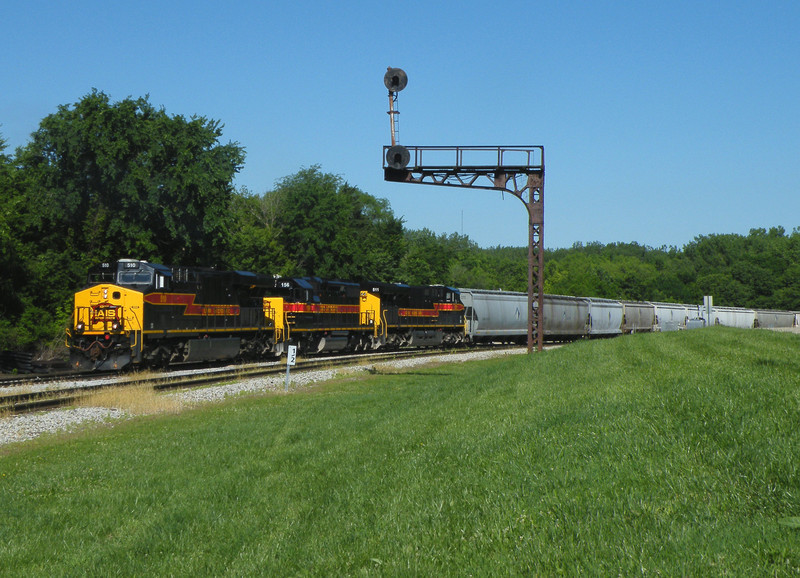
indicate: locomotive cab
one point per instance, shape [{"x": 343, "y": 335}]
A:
[
  {"x": 107, "y": 318},
  {"x": 143, "y": 276}
]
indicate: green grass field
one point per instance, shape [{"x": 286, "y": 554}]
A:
[{"x": 665, "y": 454}]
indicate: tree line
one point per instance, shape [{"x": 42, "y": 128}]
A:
[{"x": 102, "y": 180}]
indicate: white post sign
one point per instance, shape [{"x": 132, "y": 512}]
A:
[{"x": 291, "y": 359}]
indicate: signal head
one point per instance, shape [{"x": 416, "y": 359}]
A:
[
  {"x": 398, "y": 157},
  {"x": 395, "y": 79}
]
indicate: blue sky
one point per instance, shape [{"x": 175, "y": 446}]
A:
[{"x": 661, "y": 121}]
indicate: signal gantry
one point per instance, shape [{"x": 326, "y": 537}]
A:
[{"x": 518, "y": 170}]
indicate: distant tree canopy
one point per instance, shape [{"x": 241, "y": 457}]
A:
[
  {"x": 11, "y": 270},
  {"x": 332, "y": 229},
  {"x": 626, "y": 271},
  {"x": 314, "y": 223},
  {"x": 761, "y": 270},
  {"x": 102, "y": 180}
]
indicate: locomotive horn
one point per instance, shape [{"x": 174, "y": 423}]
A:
[
  {"x": 397, "y": 157},
  {"x": 395, "y": 79}
]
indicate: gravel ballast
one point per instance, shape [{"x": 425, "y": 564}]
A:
[{"x": 25, "y": 427}]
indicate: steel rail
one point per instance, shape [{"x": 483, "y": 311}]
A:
[{"x": 47, "y": 399}]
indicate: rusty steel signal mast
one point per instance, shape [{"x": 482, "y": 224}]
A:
[{"x": 518, "y": 170}]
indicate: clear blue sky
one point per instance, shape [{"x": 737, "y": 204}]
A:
[{"x": 661, "y": 121}]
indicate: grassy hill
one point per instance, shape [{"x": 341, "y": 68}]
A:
[{"x": 666, "y": 453}]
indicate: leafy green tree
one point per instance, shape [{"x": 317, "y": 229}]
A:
[
  {"x": 469, "y": 269},
  {"x": 787, "y": 296},
  {"x": 619, "y": 271},
  {"x": 25, "y": 317},
  {"x": 332, "y": 229},
  {"x": 724, "y": 288},
  {"x": 429, "y": 257},
  {"x": 498, "y": 268},
  {"x": 105, "y": 180},
  {"x": 12, "y": 273},
  {"x": 254, "y": 243},
  {"x": 754, "y": 271}
]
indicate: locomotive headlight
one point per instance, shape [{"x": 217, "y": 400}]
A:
[
  {"x": 115, "y": 326},
  {"x": 105, "y": 294},
  {"x": 79, "y": 327}
]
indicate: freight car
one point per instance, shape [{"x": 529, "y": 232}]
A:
[
  {"x": 670, "y": 316},
  {"x": 733, "y": 317},
  {"x": 605, "y": 317},
  {"x": 766, "y": 319},
  {"x": 565, "y": 318},
  {"x": 141, "y": 313},
  {"x": 637, "y": 317},
  {"x": 501, "y": 316},
  {"x": 495, "y": 315}
]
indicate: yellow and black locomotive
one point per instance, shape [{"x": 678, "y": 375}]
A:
[{"x": 141, "y": 313}]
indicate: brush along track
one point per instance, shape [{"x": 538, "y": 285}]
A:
[{"x": 34, "y": 401}]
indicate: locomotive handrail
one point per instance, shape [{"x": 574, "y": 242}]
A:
[{"x": 136, "y": 318}]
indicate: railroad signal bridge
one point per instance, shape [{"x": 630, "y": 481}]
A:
[{"x": 518, "y": 170}]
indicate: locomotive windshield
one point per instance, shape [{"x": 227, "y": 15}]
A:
[
  {"x": 100, "y": 276},
  {"x": 144, "y": 277}
]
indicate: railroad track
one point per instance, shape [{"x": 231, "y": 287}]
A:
[
  {"x": 23, "y": 402},
  {"x": 11, "y": 380}
]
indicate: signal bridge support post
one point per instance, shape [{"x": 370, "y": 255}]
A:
[{"x": 518, "y": 170}]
